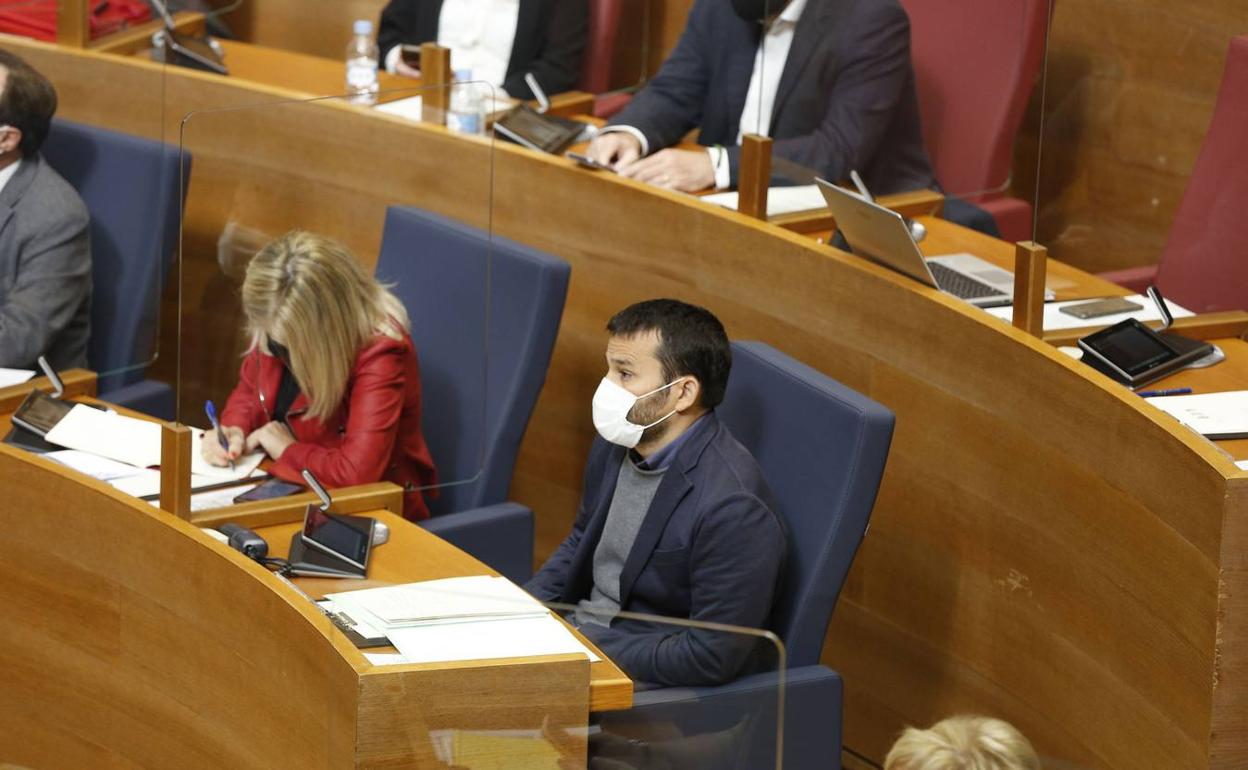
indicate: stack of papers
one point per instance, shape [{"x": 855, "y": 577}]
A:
[
  {"x": 410, "y": 108},
  {"x": 145, "y": 482},
  {"x": 14, "y": 376},
  {"x": 1213, "y": 415},
  {"x": 468, "y": 618}
]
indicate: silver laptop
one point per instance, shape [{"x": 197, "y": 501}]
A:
[{"x": 882, "y": 235}]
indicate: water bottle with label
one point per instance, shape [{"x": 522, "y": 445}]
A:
[
  {"x": 362, "y": 64},
  {"x": 467, "y": 109}
]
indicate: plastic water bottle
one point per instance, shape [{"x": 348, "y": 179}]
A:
[
  {"x": 362, "y": 64},
  {"x": 467, "y": 109}
]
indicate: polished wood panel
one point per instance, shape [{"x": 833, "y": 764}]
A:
[
  {"x": 1045, "y": 546},
  {"x": 131, "y": 638},
  {"x": 1126, "y": 115}
]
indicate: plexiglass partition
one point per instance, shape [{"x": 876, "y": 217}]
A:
[
  {"x": 376, "y": 230},
  {"x": 97, "y": 307}
]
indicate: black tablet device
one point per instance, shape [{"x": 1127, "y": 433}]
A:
[
  {"x": 1135, "y": 355},
  {"x": 349, "y": 538},
  {"x": 548, "y": 133},
  {"x": 40, "y": 413}
]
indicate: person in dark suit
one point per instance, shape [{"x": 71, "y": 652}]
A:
[
  {"x": 545, "y": 37},
  {"x": 45, "y": 250},
  {"x": 840, "y": 96},
  {"x": 676, "y": 519}
]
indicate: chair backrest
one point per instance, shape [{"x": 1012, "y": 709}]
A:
[
  {"x": 480, "y": 377},
  {"x": 1204, "y": 266},
  {"x": 975, "y": 63},
  {"x": 822, "y": 449},
  {"x": 604, "y": 27},
  {"x": 133, "y": 189}
]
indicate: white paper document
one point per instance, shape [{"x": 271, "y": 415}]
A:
[
  {"x": 440, "y": 601},
  {"x": 410, "y": 108},
  {"x": 385, "y": 658},
  {"x": 243, "y": 466},
  {"x": 14, "y": 376},
  {"x": 780, "y": 200},
  {"x": 1213, "y": 415},
  {"x": 484, "y": 639},
  {"x": 110, "y": 435},
  {"x": 1242, "y": 465},
  {"x": 93, "y": 465},
  {"x": 1055, "y": 319}
]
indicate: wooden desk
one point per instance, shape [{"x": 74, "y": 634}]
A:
[{"x": 1045, "y": 547}]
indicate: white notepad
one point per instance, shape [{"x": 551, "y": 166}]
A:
[
  {"x": 14, "y": 376},
  {"x": 521, "y": 637},
  {"x": 243, "y": 466},
  {"x": 110, "y": 435},
  {"x": 780, "y": 200},
  {"x": 440, "y": 601},
  {"x": 1213, "y": 415}
]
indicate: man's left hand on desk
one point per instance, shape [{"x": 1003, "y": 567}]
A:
[{"x": 683, "y": 170}]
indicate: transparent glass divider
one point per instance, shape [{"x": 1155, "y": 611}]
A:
[{"x": 395, "y": 220}]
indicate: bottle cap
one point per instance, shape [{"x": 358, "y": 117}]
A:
[{"x": 363, "y": 27}]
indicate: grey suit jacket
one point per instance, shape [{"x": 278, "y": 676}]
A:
[{"x": 45, "y": 270}]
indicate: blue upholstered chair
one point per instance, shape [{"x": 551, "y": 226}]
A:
[
  {"x": 484, "y": 314},
  {"x": 133, "y": 189},
  {"x": 822, "y": 448}
]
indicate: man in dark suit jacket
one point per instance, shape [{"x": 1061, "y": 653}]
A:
[
  {"x": 549, "y": 40},
  {"x": 45, "y": 255},
  {"x": 676, "y": 519},
  {"x": 845, "y": 99}
]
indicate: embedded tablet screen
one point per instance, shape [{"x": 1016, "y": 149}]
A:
[
  {"x": 338, "y": 534},
  {"x": 1131, "y": 348}
]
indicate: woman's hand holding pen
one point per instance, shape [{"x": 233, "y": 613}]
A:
[{"x": 215, "y": 454}]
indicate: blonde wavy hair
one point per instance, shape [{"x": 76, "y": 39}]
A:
[
  {"x": 963, "y": 743},
  {"x": 309, "y": 293}
]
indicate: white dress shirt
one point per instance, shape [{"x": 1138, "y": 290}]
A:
[
  {"x": 8, "y": 173},
  {"x": 760, "y": 98},
  {"x": 480, "y": 34}
]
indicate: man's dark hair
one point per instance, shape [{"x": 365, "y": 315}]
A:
[
  {"x": 27, "y": 103},
  {"x": 692, "y": 341}
]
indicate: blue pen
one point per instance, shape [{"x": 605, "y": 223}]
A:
[
  {"x": 1170, "y": 392},
  {"x": 212, "y": 418}
]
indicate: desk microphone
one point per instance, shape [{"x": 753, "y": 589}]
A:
[{"x": 244, "y": 540}]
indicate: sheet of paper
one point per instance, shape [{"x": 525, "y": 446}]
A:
[
  {"x": 93, "y": 465},
  {"x": 126, "y": 439},
  {"x": 1242, "y": 465},
  {"x": 1055, "y": 320},
  {"x": 410, "y": 108},
  {"x": 243, "y": 466},
  {"x": 460, "y": 598},
  {"x": 1214, "y": 415},
  {"x": 217, "y": 498},
  {"x": 780, "y": 200},
  {"x": 146, "y": 483},
  {"x": 483, "y": 639},
  {"x": 385, "y": 658},
  {"x": 14, "y": 376}
]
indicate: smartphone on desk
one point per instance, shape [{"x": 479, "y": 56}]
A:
[
  {"x": 1101, "y": 307},
  {"x": 588, "y": 162},
  {"x": 269, "y": 490}
]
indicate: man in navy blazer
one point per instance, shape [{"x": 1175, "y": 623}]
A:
[
  {"x": 836, "y": 89},
  {"x": 676, "y": 519}
]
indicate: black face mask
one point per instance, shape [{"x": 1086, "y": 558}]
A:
[{"x": 757, "y": 10}]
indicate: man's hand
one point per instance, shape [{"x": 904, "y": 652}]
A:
[
  {"x": 274, "y": 438},
  {"x": 684, "y": 170},
  {"x": 211, "y": 449},
  {"x": 615, "y": 149}
]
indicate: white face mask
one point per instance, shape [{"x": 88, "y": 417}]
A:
[{"x": 612, "y": 404}]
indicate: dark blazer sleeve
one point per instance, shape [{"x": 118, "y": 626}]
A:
[
  {"x": 670, "y": 105},
  {"x": 398, "y": 25},
  {"x": 557, "y": 65},
  {"x": 870, "y": 77},
  {"x": 551, "y": 581},
  {"x": 734, "y": 563}
]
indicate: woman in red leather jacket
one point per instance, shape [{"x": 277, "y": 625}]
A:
[{"x": 330, "y": 382}]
